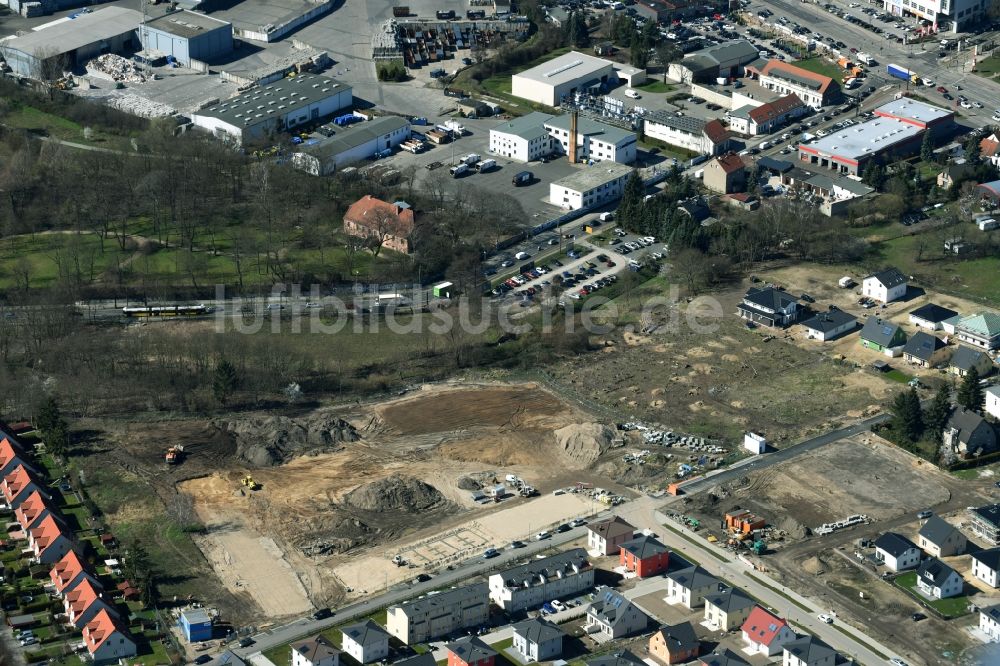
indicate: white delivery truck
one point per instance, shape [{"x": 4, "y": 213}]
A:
[
  {"x": 486, "y": 165},
  {"x": 459, "y": 170}
]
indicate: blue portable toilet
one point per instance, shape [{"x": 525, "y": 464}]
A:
[{"x": 196, "y": 625}]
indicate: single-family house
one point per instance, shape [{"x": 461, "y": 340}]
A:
[
  {"x": 195, "y": 624},
  {"x": 989, "y": 149},
  {"x": 966, "y": 358},
  {"x": 724, "y": 658},
  {"x": 896, "y": 552},
  {"x": 937, "y": 580},
  {"x": 365, "y": 642},
  {"x": 533, "y": 583},
  {"x": 537, "y": 640},
  {"x": 68, "y": 572},
  {"x": 939, "y": 538},
  {"x": 606, "y": 537},
  {"x": 613, "y": 616},
  {"x": 674, "y": 644},
  {"x": 617, "y": 658},
  {"x": 725, "y": 174},
  {"x": 882, "y": 336},
  {"x": 49, "y": 541},
  {"x": 828, "y": 325},
  {"x": 925, "y": 350},
  {"x": 992, "y": 401},
  {"x": 315, "y": 651},
  {"x": 470, "y": 651},
  {"x": 980, "y": 330},
  {"x": 954, "y": 173},
  {"x": 34, "y": 510},
  {"x": 381, "y": 222},
  {"x": 83, "y": 602},
  {"x": 931, "y": 316},
  {"x": 969, "y": 434},
  {"x": 808, "y": 651},
  {"x": 986, "y": 565},
  {"x": 107, "y": 640},
  {"x": 690, "y": 586},
  {"x": 19, "y": 484},
  {"x": 769, "y": 306},
  {"x": 989, "y": 622},
  {"x": 425, "y": 659},
  {"x": 985, "y": 521},
  {"x": 431, "y": 616},
  {"x": 765, "y": 633},
  {"x": 727, "y": 609},
  {"x": 885, "y": 286},
  {"x": 644, "y": 555}
]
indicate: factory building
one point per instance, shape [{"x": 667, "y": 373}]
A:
[
  {"x": 65, "y": 45},
  {"x": 590, "y": 187},
  {"x": 187, "y": 36},
  {"x": 273, "y": 108},
  {"x": 561, "y": 77},
  {"x": 352, "y": 144}
]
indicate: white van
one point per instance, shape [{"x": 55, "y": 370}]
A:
[
  {"x": 606, "y": 217},
  {"x": 764, "y": 145},
  {"x": 458, "y": 170},
  {"x": 631, "y": 93},
  {"x": 521, "y": 256}
]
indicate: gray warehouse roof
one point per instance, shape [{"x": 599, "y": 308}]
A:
[
  {"x": 570, "y": 66},
  {"x": 588, "y": 127},
  {"x": 186, "y": 24},
  {"x": 588, "y": 178},
  {"x": 83, "y": 30},
  {"x": 352, "y": 137},
  {"x": 527, "y": 127},
  {"x": 284, "y": 96}
]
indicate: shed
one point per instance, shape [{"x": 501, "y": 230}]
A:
[
  {"x": 20, "y": 621},
  {"x": 196, "y": 625},
  {"x": 443, "y": 290},
  {"x": 754, "y": 443}
]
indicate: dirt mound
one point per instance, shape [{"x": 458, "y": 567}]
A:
[
  {"x": 395, "y": 493},
  {"x": 583, "y": 443},
  {"x": 266, "y": 441},
  {"x": 795, "y": 529},
  {"x": 468, "y": 483},
  {"x": 814, "y": 566},
  {"x": 336, "y": 532}
]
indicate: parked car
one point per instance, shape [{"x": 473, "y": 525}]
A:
[
  {"x": 246, "y": 642},
  {"x": 563, "y": 528},
  {"x": 322, "y": 614},
  {"x": 541, "y": 536},
  {"x": 557, "y": 605},
  {"x": 823, "y": 617},
  {"x": 923, "y": 515},
  {"x": 516, "y": 544},
  {"x": 203, "y": 659},
  {"x": 490, "y": 552}
]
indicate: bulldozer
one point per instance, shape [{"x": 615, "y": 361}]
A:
[{"x": 249, "y": 482}]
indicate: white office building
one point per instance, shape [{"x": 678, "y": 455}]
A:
[
  {"x": 594, "y": 140},
  {"x": 946, "y": 15},
  {"x": 590, "y": 186},
  {"x": 523, "y": 139}
]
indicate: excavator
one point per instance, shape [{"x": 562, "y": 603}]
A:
[{"x": 249, "y": 482}]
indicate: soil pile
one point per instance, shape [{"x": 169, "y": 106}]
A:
[
  {"x": 814, "y": 566},
  {"x": 266, "y": 441},
  {"x": 335, "y": 532},
  {"x": 583, "y": 443},
  {"x": 395, "y": 493},
  {"x": 794, "y": 528}
]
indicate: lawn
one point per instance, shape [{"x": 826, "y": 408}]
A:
[
  {"x": 656, "y": 86},
  {"x": 821, "y": 65},
  {"x": 950, "y": 608},
  {"x": 897, "y": 376},
  {"x": 988, "y": 67},
  {"x": 280, "y": 655},
  {"x": 36, "y": 120}
]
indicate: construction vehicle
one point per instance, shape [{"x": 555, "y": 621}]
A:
[
  {"x": 759, "y": 547},
  {"x": 249, "y": 482},
  {"x": 399, "y": 561},
  {"x": 173, "y": 455}
]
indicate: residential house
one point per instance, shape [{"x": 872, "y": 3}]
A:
[
  {"x": 613, "y": 616},
  {"x": 34, "y": 510},
  {"x": 69, "y": 572},
  {"x": 83, "y": 602},
  {"x": 939, "y": 538},
  {"x": 107, "y": 641},
  {"x": 644, "y": 555},
  {"x": 980, "y": 330},
  {"x": 674, "y": 644},
  {"x": 532, "y": 584},
  {"x": 768, "y": 117},
  {"x": 765, "y": 633},
  {"x": 931, "y": 316},
  {"x": 969, "y": 434},
  {"x": 990, "y": 190},
  {"x": 986, "y": 565},
  {"x": 725, "y": 658},
  {"x": 925, "y": 350},
  {"x": 617, "y": 658},
  {"x": 886, "y": 286},
  {"x": 365, "y": 642},
  {"x": 315, "y": 651},
  {"x": 12, "y": 455},
  {"x": 954, "y": 173},
  {"x": 989, "y": 149},
  {"x": 992, "y": 402},
  {"x": 725, "y": 174},
  {"x": 896, "y": 552},
  {"x": 882, "y": 336},
  {"x": 196, "y": 625},
  {"x": 829, "y": 325},
  {"x": 986, "y": 523},
  {"x": 425, "y": 659},
  {"x": 814, "y": 89},
  {"x": 19, "y": 484},
  {"x": 768, "y": 306},
  {"x": 378, "y": 221},
  {"x": 470, "y": 651},
  {"x": 937, "y": 580},
  {"x": 431, "y": 616},
  {"x": 989, "y": 622},
  {"x": 808, "y": 651},
  {"x": 538, "y": 640},
  {"x": 607, "y": 536},
  {"x": 49, "y": 541},
  {"x": 966, "y": 358},
  {"x": 728, "y": 609},
  {"x": 690, "y": 586}
]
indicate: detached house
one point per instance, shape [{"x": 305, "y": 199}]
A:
[
  {"x": 931, "y": 316},
  {"x": 70, "y": 572},
  {"x": 316, "y": 651},
  {"x": 986, "y": 565},
  {"x": 986, "y": 523},
  {"x": 83, "y": 602},
  {"x": 613, "y": 616},
  {"x": 725, "y": 174},
  {"x": 829, "y": 325},
  {"x": 896, "y": 552},
  {"x": 882, "y": 336},
  {"x": 470, "y": 651},
  {"x": 966, "y": 358},
  {"x": 19, "y": 484},
  {"x": 675, "y": 644},
  {"x": 106, "y": 640},
  {"x": 769, "y": 116},
  {"x": 725, "y": 658},
  {"x": 607, "y": 536},
  {"x": 727, "y": 609},
  {"x": 886, "y": 286},
  {"x": 538, "y": 581},
  {"x": 619, "y": 658},
  {"x": 937, "y": 580},
  {"x": 538, "y": 640},
  {"x": 939, "y": 538},
  {"x": 989, "y": 622},
  {"x": 768, "y": 306},
  {"x": 808, "y": 651},
  {"x": 925, "y": 350},
  {"x": 388, "y": 223},
  {"x": 992, "y": 406},
  {"x": 969, "y": 434},
  {"x": 645, "y": 556},
  {"x": 365, "y": 642},
  {"x": 765, "y": 633},
  {"x": 48, "y": 541},
  {"x": 690, "y": 586},
  {"x": 980, "y": 330}
]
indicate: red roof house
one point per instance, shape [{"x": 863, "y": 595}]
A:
[
  {"x": 106, "y": 640},
  {"x": 33, "y": 510},
  {"x": 68, "y": 572},
  {"x": 765, "y": 633},
  {"x": 83, "y": 602},
  {"x": 11, "y": 454},
  {"x": 49, "y": 541},
  {"x": 18, "y": 484},
  {"x": 470, "y": 651},
  {"x": 390, "y": 223}
]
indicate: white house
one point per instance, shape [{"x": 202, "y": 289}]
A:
[
  {"x": 931, "y": 316},
  {"x": 813, "y": 89},
  {"x": 522, "y": 139},
  {"x": 613, "y": 616},
  {"x": 986, "y": 565},
  {"x": 687, "y": 132},
  {"x": 365, "y": 642},
  {"x": 689, "y": 586},
  {"x": 316, "y": 651},
  {"x": 727, "y": 610},
  {"x": 897, "y": 552},
  {"x": 830, "y": 324},
  {"x": 107, "y": 640},
  {"x": 765, "y": 633},
  {"x": 538, "y": 640},
  {"x": 989, "y": 622},
  {"x": 590, "y": 186},
  {"x": 993, "y": 401},
  {"x": 939, "y": 538},
  {"x": 768, "y": 306},
  {"x": 538, "y": 581},
  {"x": 754, "y": 443},
  {"x": 885, "y": 286},
  {"x": 605, "y": 537},
  {"x": 808, "y": 651},
  {"x": 937, "y": 580}
]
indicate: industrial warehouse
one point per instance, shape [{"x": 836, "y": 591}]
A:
[
  {"x": 187, "y": 36},
  {"x": 352, "y": 144},
  {"x": 561, "y": 77}
]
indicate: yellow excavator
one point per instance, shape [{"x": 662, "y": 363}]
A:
[{"x": 249, "y": 482}]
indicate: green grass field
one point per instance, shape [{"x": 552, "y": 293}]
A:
[
  {"x": 656, "y": 86},
  {"x": 36, "y": 120},
  {"x": 988, "y": 67},
  {"x": 821, "y": 65},
  {"x": 950, "y": 608}
]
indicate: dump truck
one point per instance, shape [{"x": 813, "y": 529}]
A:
[{"x": 173, "y": 455}]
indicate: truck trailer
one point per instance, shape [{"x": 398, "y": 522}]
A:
[{"x": 902, "y": 73}]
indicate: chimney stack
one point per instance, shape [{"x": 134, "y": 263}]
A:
[{"x": 572, "y": 136}]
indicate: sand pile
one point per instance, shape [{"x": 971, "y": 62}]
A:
[
  {"x": 814, "y": 566},
  {"x": 266, "y": 441},
  {"x": 583, "y": 443},
  {"x": 395, "y": 493}
]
